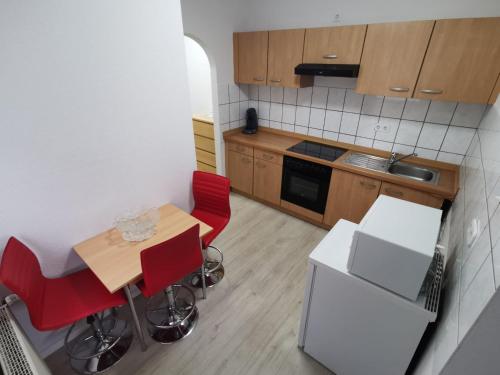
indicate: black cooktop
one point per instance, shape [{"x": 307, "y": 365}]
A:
[{"x": 317, "y": 150}]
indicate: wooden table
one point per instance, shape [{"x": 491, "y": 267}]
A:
[{"x": 117, "y": 262}]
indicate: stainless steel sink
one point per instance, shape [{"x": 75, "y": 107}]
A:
[{"x": 401, "y": 169}]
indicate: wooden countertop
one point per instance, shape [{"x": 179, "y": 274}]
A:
[{"x": 279, "y": 141}]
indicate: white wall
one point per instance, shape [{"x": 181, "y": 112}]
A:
[
  {"x": 94, "y": 116},
  {"x": 279, "y": 14},
  {"x": 199, "y": 76}
]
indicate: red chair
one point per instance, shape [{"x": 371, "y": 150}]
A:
[
  {"x": 171, "y": 309},
  {"x": 55, "y": 303},
  {"x": 211, "y": 205}
]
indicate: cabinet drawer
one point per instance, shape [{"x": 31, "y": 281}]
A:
[
  {"x": 236, "y": 147},
  {"x": 268, "y": 156},
  {"x": 411, "y": 195}
]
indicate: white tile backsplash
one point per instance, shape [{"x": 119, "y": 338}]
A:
[
  {"x": 353, "y": 102},
  {"x": 349, "y": 123},
  {"x": 408, "y": 132},
  {"x": 436, "y": 130},
  {"x": 319, "y": 97},
  {"x": 304, "y": 96},
  {"x": 468, "y": 115},
  {"x": 302, "y": 116},
  {"x": 432, "y": 136},
  {"x": 290, "y": 96},
  {"x": 393, "y": 107},
  {"x": 336, "y": 98},
  {"x": 277, "y": 94},
  {"x": 372, "y": 105},
  {"x": 276, "y": 112},
  {"x": 332, "y": 121},
  {"x": 440, "y": 112},
  {"x": 415, "y": 109},
  {"x": 317, "y": 118}
]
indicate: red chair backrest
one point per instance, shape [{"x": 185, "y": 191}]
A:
[
  {"x": 211, "y": 193},
  {"x": 20, "y": 271},
  {"x": 170, "y": 261}
]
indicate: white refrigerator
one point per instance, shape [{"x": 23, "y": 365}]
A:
[{"x": 353, "y": 326}]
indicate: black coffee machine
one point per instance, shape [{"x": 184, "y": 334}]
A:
[{"x": 252, "y": 125}]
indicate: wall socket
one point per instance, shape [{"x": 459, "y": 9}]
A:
[{"x": 382, "y": 128}]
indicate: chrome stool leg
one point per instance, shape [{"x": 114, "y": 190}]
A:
[
  {"x": 214, "y": 270},
  {"x": 171, "y": 315},
  {"x": 104, "y": 347}
]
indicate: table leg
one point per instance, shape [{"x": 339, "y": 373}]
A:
[
  {"x": 138, "y": 328},
  {"x": 203, "y": 281}
]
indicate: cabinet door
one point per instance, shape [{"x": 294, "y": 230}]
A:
[
  {"x": 411, "y": 195},
  {"x": 334, "y": 45},
  {"x": 267, "y": 181},
  {"x": 350, "y": 196},
  {"x": 392, "y": 57},
  {"x": 252, "y": 57},
  {"x": 240, "y": 171},
  {"x": 462, "y": 62},
  {"x": 285, "y": 53},
  {"x": 495, "y": 93}
]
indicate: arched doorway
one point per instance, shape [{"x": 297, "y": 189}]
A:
[{"x": 201, "y": 77}]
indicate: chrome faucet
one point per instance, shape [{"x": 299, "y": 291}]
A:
[{"x": 394, "y": 158}]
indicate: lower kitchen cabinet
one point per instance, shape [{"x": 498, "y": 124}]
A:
[
  {"x": 240, "y": 171},
  {"x": 411, "y": 195},
  {"x": 267, "y": 181},
  {"x": 349, "y": 197}
]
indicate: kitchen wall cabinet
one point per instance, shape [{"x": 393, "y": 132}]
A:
[
  {"x": 462, "y": 62},
  {"x": 267, "y": 181},
  {"x": 240, "y": 171},
  {"x": 495, "y": 93},
  {"x": 411, "y": 195},
  {"x": 349, "y": 197},
  {"x": 334, "y": 45},
  {"x": 285, "y": 53},
  {"x": 392, "y": 56},
  {"x": 252, "y": 57}
]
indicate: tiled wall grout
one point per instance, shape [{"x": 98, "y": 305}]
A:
[{"x": 311, "y": 113}]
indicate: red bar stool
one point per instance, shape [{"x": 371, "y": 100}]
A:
[
  {"x": 55, "y": 303},
  {"x": 171, "y": 309},
  {"x": 211, "y": 205}
]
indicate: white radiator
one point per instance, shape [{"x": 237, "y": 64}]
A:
[{"x": 17, "y": 356}]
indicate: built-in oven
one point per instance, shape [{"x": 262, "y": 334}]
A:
[{"x": 305, "y": 183}]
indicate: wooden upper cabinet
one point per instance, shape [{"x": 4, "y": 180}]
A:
[
  {"x": 251, "y": 64},
  {"x": 285, "y": 53},
  {"x": 334, "y": 45},
  {"x": 392, "y": 57},
  {"x": 462, "y": 62},
  {"x": 495, "y": 93}
]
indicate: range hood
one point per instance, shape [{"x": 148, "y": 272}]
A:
[{"x": 330, "y": 70}]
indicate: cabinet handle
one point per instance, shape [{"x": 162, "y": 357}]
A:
[
  {"x": 331, "y": 56},
  {"x": 275, "y": 80},
  {"x": 399, "y": 89},
  {"x": 397, "y": 193},
  {"x": 260, "y": 165},
  {"x": 267, "y": 157},
  {"x": 246, "y": 161},
  {"x": 431, "y": 91},
  {"x": 367, "y": 185},
  {"x": 258, "y": 79}
]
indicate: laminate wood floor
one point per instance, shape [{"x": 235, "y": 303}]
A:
[{"x": 249, "y": 322}]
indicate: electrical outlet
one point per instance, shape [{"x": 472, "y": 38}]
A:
[
  {"x": 382, "y": 128},
  {"x": 336, "y": 19}
]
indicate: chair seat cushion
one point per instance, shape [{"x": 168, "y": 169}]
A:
[
  {"x": 73, "y": 297},
  {"x": 218, "y": 223}
]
